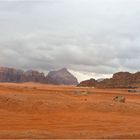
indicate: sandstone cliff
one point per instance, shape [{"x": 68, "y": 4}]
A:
[
  {"x": 119, "y": 80},
  {"x": 55, "y": 77}
]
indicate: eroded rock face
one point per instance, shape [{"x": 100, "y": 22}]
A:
[
  {"x": 10, "y": 75},
  {"x": 35, "y": 76},
  {"x": 119, "y": 80},
  {"x": 62, "y": 76},
  {"x": 13, "y": 75},
  {"x": 88, "y": 83},
  {"x": 55, "y": 77}
]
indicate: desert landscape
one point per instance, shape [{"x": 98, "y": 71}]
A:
[
  {"x": 33, "y": 110},
  {"x": 69, "y": 69}
]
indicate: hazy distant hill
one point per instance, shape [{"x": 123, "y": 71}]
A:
[
  {"x": 55, "y": 77},
  {"x": 62, "y": 76}
]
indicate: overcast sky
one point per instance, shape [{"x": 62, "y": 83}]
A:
[{"x": 92, "y": 38}]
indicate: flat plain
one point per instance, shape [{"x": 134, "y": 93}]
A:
[{"x": 30, "y": 110}]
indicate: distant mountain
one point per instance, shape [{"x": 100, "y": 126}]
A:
[
  {"x": 14, "y": 75},
  {"x": 55, "y": 77},
  {"x": 62, "y": 76},
  {"x": 119, "y": 80}
]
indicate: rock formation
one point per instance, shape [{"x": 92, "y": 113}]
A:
[
  {"x": 119, "y": 80},
  {"x": 35, "y": 76},
  {"x": 88, "y": 83},
  {"x": 10, "y": 75},
  {"x": 55, "y": 77},
  {"x": 62, "y": 76},
  {"x": 13, "y": 75}
]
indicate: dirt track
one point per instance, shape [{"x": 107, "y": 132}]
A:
[{"x": 44, "y": 111}]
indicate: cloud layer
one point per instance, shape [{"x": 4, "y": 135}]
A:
[{"x": 91, "y": 38}]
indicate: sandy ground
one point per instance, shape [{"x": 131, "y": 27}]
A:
[{"x": 44, "y": 111}]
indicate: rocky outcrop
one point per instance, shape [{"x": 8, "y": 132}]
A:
[
  {"x": 88, "y": 83},
  {"x": 10, "y": 75},
  {"x": 62, "y": 76},
  {"x": 55, "y": 77},
  {"x": 119, "y": 80},
  {"x": 35, "y": 76},
  {"x": 13, "y": 75}
]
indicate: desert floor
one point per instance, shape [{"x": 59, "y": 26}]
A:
[{"x": 44, "y": 111}]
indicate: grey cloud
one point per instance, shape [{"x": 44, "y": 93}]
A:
[{"x": 100, "y": 36}]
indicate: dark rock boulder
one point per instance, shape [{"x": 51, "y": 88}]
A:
[{"x": 120, "y": 99}]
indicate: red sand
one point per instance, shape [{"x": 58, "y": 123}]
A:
[{"x": 44, "y": 111}]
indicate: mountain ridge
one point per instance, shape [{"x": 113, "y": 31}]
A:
[
  {"x": 119, "y": 80},
  {"x": 58, "y": 77}
]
